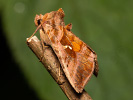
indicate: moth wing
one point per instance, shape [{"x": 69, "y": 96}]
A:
[
  {"x": 76, "y": 59},
  {"x": 96, "y": 69},
  {"x": 82, "y": 69}
]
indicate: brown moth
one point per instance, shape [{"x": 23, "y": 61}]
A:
[{"x": 77, "y": 59}]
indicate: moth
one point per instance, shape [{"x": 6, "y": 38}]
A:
[{"x": 77, "y": 59}]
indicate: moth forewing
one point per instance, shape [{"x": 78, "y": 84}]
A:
[{"x": 77, "y": 60}]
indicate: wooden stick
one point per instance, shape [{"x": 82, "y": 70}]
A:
[{"x": 51, "y": 63}]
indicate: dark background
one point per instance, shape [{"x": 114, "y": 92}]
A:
[
  {"x": 106, "y": 26},
  {"x": 13, "y": 84}
]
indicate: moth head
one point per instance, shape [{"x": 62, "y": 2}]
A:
[
  {"x": 38, "y": 19},
  {"x": 48, "y": 17}
]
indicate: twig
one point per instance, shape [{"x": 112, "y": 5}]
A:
[{"x": 51, "y": 63}]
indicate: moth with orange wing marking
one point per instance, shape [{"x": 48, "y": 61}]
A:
[{"x": 77, "y": 59}]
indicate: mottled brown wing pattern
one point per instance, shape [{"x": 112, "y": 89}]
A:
[
  {"x": 82, "y": 65},
  {"x": 77, "y": 60}
]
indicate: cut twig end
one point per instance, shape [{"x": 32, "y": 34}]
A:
[{"x": 34, "y": 38}]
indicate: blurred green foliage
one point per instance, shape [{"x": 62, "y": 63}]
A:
[{"x": 105, "y": 25}]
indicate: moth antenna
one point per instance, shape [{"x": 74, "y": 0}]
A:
[{"x": 34, "y": 32}]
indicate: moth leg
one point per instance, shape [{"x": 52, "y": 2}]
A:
[
  {"x": 43, "y": 46},
  {"x": 59, "y": 74},
  {"x": 43, "y": 38},
  {"x": 43, "y": 49}
]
